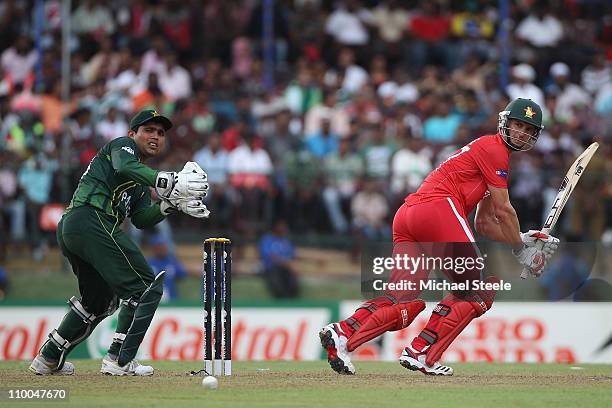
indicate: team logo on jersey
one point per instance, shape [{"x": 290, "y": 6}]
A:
[
  {"x": 128, "y": 149},
  {"x": 502, "y": 173},
  {"x": 529, "y": 113}
]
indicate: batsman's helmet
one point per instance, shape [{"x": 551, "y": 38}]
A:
[{"x": 526, "y": 111}]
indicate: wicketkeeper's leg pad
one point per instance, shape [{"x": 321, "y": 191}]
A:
[
  {"x": 389, "y": 318},
  {"x": 454, "y": 315},
  {"x": 76, "y": 326},
  {"x": 144, "y": 311}
]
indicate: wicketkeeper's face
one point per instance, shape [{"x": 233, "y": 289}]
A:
[{"x": 150, "y": 139}]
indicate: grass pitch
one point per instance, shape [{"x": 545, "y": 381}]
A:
[{"x": 313, "y": 384}]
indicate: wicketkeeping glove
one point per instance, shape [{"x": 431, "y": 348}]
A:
[
  {"x": 532, "y": 258},
  {"x": 191, "y": 206},
  {"x": 191, "y": 182},
  {"x": 547, "y": 243}
]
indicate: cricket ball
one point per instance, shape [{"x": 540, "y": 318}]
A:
[{"x": 210, "y": 382}]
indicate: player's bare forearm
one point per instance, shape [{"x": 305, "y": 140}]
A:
[{"x": 503, "y": 224}]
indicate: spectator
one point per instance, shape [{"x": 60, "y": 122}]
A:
[
  {"x": 276, "y": 252},
  {"x": 377, "y": 153},
  {"x": 12, "y": 202},
  {"x": 442, "y": 126},
  {"x": 242, "y": 59},
  {"x": 92, "y": 17},
  {"x": 175, "y": 20},
  {"x": 338, "y": 117},
  {"x": 370, "y": 209},
  {"x": 597, "y": 75},
  {"x": 540, "y": 28},
  {"x": 523, "y": 87},
  {"x": 35, "y": 178},
  {"x": 250, "y": 168},
  {"x": 348, "y": 24},
  {"x": 112, "y": 126},
  {"x": 350, "y": 76},
  {"x": 215, "y": 159},
  {"x": 309, "y": 25},
  {"x": 429, "y": 29},
  {"x": 280, "y": 142},
  {"x": 568, "y": 94},
  {"x": 52, "y": 109},
  {"x": 18, "y": 62},
  {"x": 162, "y": 260},
  {"x": 304, "y": 208},
  {"x": 302, "y": 93},
  {"x": 151, "y": 96},
  {"x": 103, "y": 65},
  {"x": 475, "y": 27},
  {"x": 543, "y": 33},
  {"x": 324, "y": 142},
  {"x": 409, "y": 166},
  {"x": 174, "y": 80},
  {"x": 153, "y": 59},
  {"x": 342, "y": 172},
  {"x": 391, "y": 20},
  {"x": 473, "y": 114}
]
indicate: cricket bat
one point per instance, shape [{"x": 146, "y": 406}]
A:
[{"x": 565, "y": 190}]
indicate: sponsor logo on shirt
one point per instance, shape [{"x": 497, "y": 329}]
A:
[
  {"x": 128, "y": 149},
  {"x": 502, "y": 173}
]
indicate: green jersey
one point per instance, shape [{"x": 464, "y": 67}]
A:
[{"x": 117, "y": 183}]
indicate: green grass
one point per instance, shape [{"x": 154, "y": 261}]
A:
[{"x": 311, "y": 384}]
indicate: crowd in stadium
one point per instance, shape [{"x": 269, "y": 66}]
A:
[{"x": 328, "y": 122}]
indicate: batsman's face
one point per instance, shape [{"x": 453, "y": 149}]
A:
[
  {"x": 521, "y": 133},
  {"x": 150, "y": 139}
]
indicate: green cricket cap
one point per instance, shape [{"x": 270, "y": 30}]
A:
[{"x": 149, "y": 115}]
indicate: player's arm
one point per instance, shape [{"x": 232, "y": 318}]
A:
[
  {"x": 485, "y": 221},
  {"x": 496, "y": 218},
  {"x": 126, "y": 164},
  {"x": 144, "y": 215},
  {"x": 191, "y": 182}
]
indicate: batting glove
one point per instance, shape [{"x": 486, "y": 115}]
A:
[{"x": 540, "y": 240}]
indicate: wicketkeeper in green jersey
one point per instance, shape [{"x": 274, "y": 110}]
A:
[{"x": 109, "y": 267}]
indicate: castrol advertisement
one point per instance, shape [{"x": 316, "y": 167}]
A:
[
  {"x": 510, "y": 332},
  {"x": 176, "y": 333}
]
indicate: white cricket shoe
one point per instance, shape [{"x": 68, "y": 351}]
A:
[
  {"x": 42, "y": 366},
  {"x": 334, "y": 343},
  {"x": 415, "y": 361},
  {"x": 111, "y": 367}
]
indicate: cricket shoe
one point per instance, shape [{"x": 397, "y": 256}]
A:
[
  {"x": 414, "y": 361},
  {"x": 41, "y": 366},
  {"x": 334, "y": 342},
  {"x": 111, "y": 367}
]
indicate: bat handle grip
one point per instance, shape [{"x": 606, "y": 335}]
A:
[{"x": 525, "y": 272}]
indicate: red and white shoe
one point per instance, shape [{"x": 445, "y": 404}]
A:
[
  {"x": 334, "y": 341},
  {"x": 415, "y": 361}
]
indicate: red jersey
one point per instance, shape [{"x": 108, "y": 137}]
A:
[{"x": 467, "y": 173}]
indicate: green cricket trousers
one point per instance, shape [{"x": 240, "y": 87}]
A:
[{"x": 104, "y": 259}]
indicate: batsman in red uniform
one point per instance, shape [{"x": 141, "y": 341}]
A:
[{"x": 474, "y": 177}]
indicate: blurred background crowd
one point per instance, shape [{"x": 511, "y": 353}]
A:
[{"x": 311, "y": 117}]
